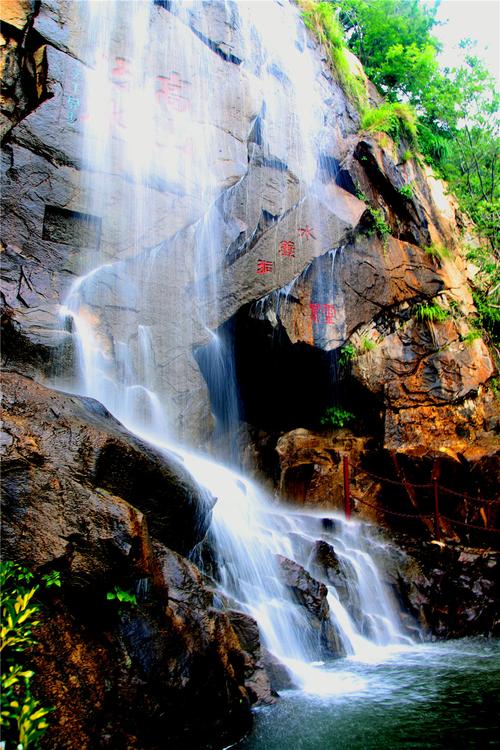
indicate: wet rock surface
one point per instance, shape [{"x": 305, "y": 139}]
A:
[
  {"x": 312, "y": 595},
  {"x": 258, "y": 681},
  {"x": 59, "y": 448},
  {"x": 85, "y": 498},
  {"x": 452, "y": 591},
  {"x": 311, "y": 468}
]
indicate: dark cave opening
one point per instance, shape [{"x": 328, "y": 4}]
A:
[{"x": 256, "y": 375}]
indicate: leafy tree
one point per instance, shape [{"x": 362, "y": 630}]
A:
[
  {"x": 458, "y": 125},
  {"x": 393, "y": 41}
]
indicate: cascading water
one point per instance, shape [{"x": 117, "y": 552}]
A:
[{"x": 157, "y": 137}]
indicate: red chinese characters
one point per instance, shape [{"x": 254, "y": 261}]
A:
[
  {"x": 306, "y": 232},
  {"x": 329, "y": 314},
  {"x": 121, "y": 73},
  {"x": 287, "y": 248},
  {"x": 322, "y": 313},
  {"x": 265, "y": 266},
  {"x": 315, "y": 307},
  {"x": 169, "y": 92}
]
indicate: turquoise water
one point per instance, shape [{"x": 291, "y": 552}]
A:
[{"x": 441, "y": 695}]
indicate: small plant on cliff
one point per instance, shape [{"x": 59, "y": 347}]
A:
[
  {"x": 431, "y": 312},
  {"x": 23, "y": 719},
  {"x": 393, "y": 118},
  {"x": 406, "y": 191},
  {"x": 322, "y": 20},
  {"x": 347, "y": 352},
  {"x": 381, "y": 226},
  {"x": 471, "y": 336},
  {"x": 367, "y": 345},
  {"x": 437, "y": 252},
  {"x": 336, "y": 416},
  {"x": 122, "y": 596},
  {"x": 495, "y": 386}
]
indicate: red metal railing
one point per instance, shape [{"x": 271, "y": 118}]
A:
[{"x": 410, "y": 488}]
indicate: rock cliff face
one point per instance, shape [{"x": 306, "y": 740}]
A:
[
  {"x": 368, "y": 291},
  {"x": 83, "y": 497},
  {"x": 300, "y": 272}
]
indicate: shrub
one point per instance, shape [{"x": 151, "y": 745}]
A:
[
  {"x": 336, "y": 416},
  {"x": 394, "y": 118},
  {"x": 486, "y": 292},
  {"x": 407, "y": 155},
  {"x": 489, "y": 314},
  {"x": 23, "y": 719}
]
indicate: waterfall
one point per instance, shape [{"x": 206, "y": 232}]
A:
[{"x": 154, "y": 147}]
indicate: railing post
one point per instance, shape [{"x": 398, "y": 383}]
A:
[
  {"x": 347, "y": 492},
  {"x": 436, "y": 470}
]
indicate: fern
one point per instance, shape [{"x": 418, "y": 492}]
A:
[
  {"x": 336, "y": 416},
  {"x": 431, "y": 312},
  {"x": 435, "y": 147}
]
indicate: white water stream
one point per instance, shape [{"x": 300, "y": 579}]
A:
[{"x": 117, "y": 336}]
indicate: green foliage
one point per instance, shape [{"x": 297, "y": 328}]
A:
[
  {"x": 495, "y": 386},
  {"x": 406, "y": 191},
  {"x": 347, "y": 352},
  {"x": 322, "y": 20},
  {"x": 433, "y": 145},
  {"x": 367, "y": 345},
  {"x": 489, "y": 315},
  {"x": 52, "y": 579},
  {"x": 394, "y": 118},
  {"x": 457, "y": 130},
  {"x": 407, "y": 155},
  {"x": 393, "y": 41},
  {"x": 471, "y": 336},
  {"x": 431, "y": 312},
  {"x": 471, "y": 163},
  {"x": 437, "y": 252},
  {"x": 381, "y": 226},
  {"x": 122, "y": 596},
  {"x": 336, "y": 416},
  {"x": 23, "y": 719},
  {"x": 486, "y": 292}
]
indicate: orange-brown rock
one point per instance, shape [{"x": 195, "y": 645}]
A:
[
  {"x": 311, "y": 472},
  {"x": 16, "y": 12}
]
